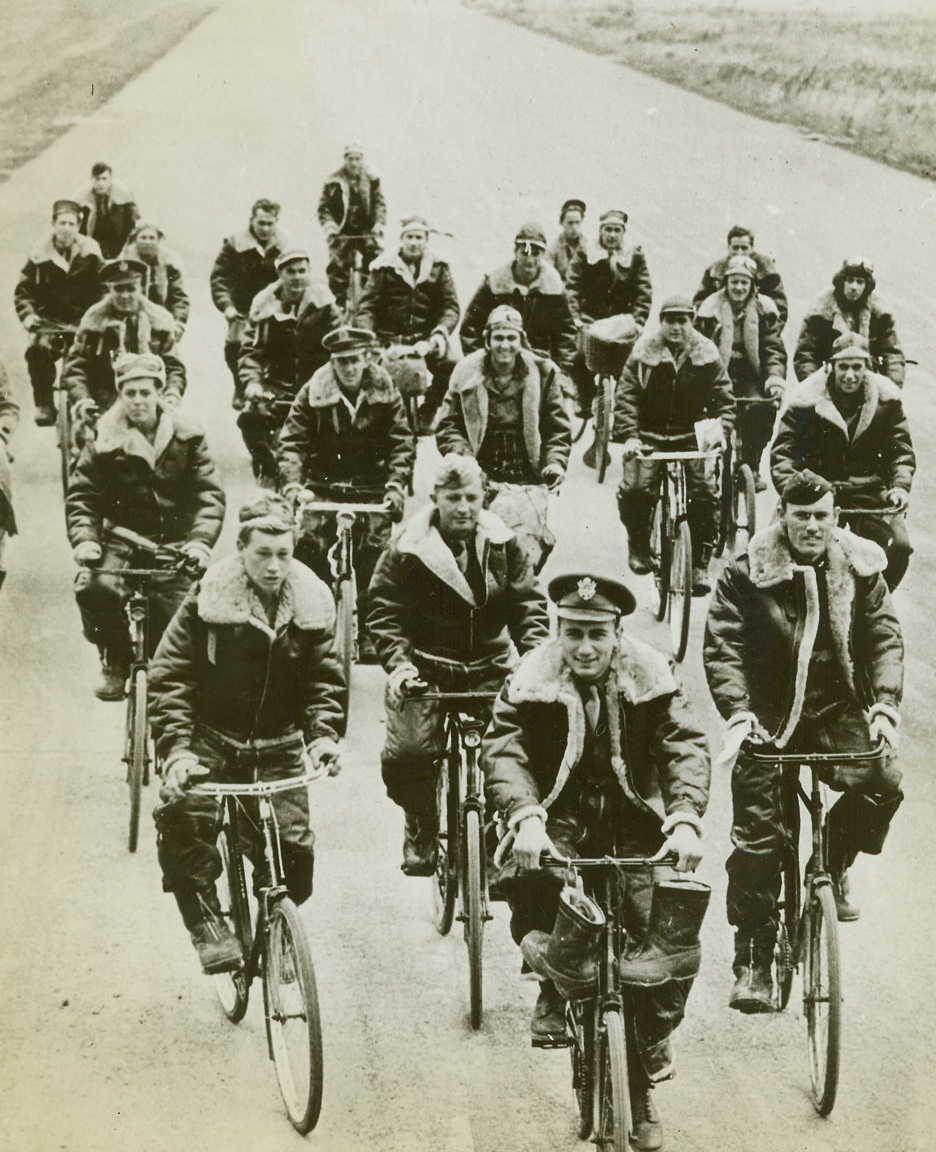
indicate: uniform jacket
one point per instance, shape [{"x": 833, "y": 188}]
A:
[
  {"x": 599, "y": 286},
  {"x": 537, "y": 735},
  {"x": 164, "y": 281},
  {"x": 768, "y": 283},
  {"x": 221, "y": 663},
  {"x": 244, "y": 268},
  {"x": 764, "y": 353},
  {"x": 656, "y": 397},
  {"x": 322, "y": 443},
  {"x": 104, "y": 334},
  {"x": 420, "y": 600},
  {"x": 813, "y": 434},
  {"x": 826, "y": 321},
  {"x": 168, "y": 491},
  {"x": 333, "y": 203},
  {"x": 400, "y": 307},
  {"x": 286, "y": 348},
  {"x": 112, "y": 227},
  {"x": 543, "y": 305},
  {"x": 561, "y": 254},
  {"x": 546, "y": 430},
  {"x": 52, "y": 289},
  {"x": 752, "y": 660}
]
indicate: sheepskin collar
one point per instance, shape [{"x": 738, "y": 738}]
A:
[
  {"x": 101, "y": 316},
  {"x": 45, "y": 251},
  {"x": 245, "y": 241},
  {"x": 719, "y": 307},
  {"x": 322, "y": 391},
  {"x": 395, "y": 262},
  {"x": 652, "y": 350},
  {"x": 813, "y": 392},
  {"x": 268, "y": 303},
  {"x": 226, "y": 596},
  {"x": 620, "y": 261},
  {"x": 116, "y": 434},
  {"x": 166, "y": 257},
  {"x": 469, "y": 381},
  {"x": 340, "y": 176},
  {"x": 771, "y": 562},
  {"x": 119, "y": 194},
  {"x": 421, "y": 538},
  {"x": 470, "y": 371},
  {"x": 502, "y": 281},
  {"x": 858, "y": 319}
]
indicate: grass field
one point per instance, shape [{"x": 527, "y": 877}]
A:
[{"x": 863, "y": 81}]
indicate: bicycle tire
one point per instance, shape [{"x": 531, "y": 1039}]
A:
[
  {"x": 822, "y": 986},
  {"x": 744, "y": 510},
  {"x": 232, "y": 988},
  {"x": 614, "y": 1103},
  {"x": 680, "y": 590},
  {"x": 660, "y": 558},
  {"x": 581, "y": 1017},
  {"x": 137, "y": 752},
  {"x": 726, "y": 508},
  {"x": 445, "y": 877},
  {"x": 293, "y": 1021},
  {"x": 64, "y": 435},
  {"x": 786, "y": 952},
  {"x": 345, "y": 597},
  {"x": 473, "y": 904},
  {"x": 411, "y": 408},
  {"x": 604, "y": 414}
]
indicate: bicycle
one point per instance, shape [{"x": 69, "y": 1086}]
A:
[
  {"x": 460, "y": 877},
  {"x": 357, "y": 276},
  {"x": 137, "y": 754},
  {"x": 59, "y": 339},
  {"x": 601, "y": 1030},
  {"x": 606, "y": 344},
  {"x": 738, "y": 491},
  {"x": 406, "y": 366},
  {"x": 671, "y": 544},
  {"x": 276, "y": 948},
  {"x": 808, "y": 931}
]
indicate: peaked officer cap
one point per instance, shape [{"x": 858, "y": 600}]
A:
[{"x": 580, "y": 596}]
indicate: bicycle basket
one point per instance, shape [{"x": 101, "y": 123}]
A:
[
  {"x": 606, "y": 344},
  {"x": 407, "y": 370}
]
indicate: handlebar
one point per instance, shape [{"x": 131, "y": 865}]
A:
[
  {"x": 887, "y": 510},
  {"x": 585, "y": 862},
  {"x": 168, "y": 556},
  {"x": 420, "y": 690},
  {"x": 312, "y": 505},
  {"x": 711, "y": 454},
  {"x": 809, "y": 759},
  {"x": 259, "y": 787}
]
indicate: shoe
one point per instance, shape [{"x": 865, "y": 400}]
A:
[
  {"x": 589, "y": 459},
  {"x": 845, "y": 910},
  {"x": 366, "y": 652},
  {"x": 420, "y": 847},
  {"x": 218, "y": 948},
  {"x": 647, "y": 1131},
  {"x": 701, "y": 584},
  {"x": 753, "y": 990},
  {"x": 113, "y": 682},
  {"x": 760, "y": 484},
  {"x": 45, "y": 415},
  {"x": 639, "y": 562},
  {"x": 548, "y": 1025}
]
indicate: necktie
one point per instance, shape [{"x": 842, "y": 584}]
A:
[{"x": 593, "y": 707}]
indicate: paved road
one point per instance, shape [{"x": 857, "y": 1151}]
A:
[{"x": 110, "y": 1037}]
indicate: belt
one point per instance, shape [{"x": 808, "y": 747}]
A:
[{"x": 290, "y": 739}]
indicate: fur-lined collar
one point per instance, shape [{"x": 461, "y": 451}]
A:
[
  {"x": 469, "y": 373},
  {"x": 830, "y": 307},
  {"x": 116, "y": 434},
  {"x": 421, "y": 538},
  {"x": 502, "y": 281},
  {"x": 245, "y": 240},
  {"x": 712, "y": 306},
  {"x": 652, "y": 350},
  {"x": 468, "y": 381},
  {"x": 395, "y": 262},
  {"x": 620, "y": 261},
  {"x": 118, "y": 194},
  {"x": 45, "y": 251},
  {"x": 339, "y": 176},
  {"x": 720, "y": 308},
  {"x": 226, "y": 596},
  {"x": 322, "y": 390},
  {"x": 813, "y": 392},
  {"x": 268, "y": 304},
  {"x": 771, "y": 562},
  {"x": 166, "y": 257},
  {"x": 102, "y": 316}
]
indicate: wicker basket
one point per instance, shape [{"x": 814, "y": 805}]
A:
[
  {"x": 606, "y": 344},
  {"x": 407, "y": 370}
]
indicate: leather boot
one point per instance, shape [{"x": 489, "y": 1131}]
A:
[
  {"x": 753, "y": 990},
  {"x": 114, "y": 673},
  {"x": 218, "y": 948},
  {"x": 548, "y": 1026},
  {"x": 647, "y": 1134},
  {"x": 568, "y": 955},
  {"x": 671, "y": 949},
  {"x": 420, "y": 843}
]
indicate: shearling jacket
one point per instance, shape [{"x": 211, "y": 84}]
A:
[
  {"x": 544, "y": 306},
  {"x": 600, "y": 285},
  {"x": 335, "y": 201},
  {"x": 168, "y": 491},
  {"x": 546, "y": 431},
  {"x": 403, "y": 307},
  {"x": 764, "y": 354},
  {"x": 764, "y": 619},
  {"x": 826, "y": 320},
  {"x": 875, "y": 458},
  {"x": 284, "y": 348},
  {"x": 323, "y": 442},
  {"x": 537, "y": 735},
  {"x": 421, "y": 601},
  {"x": 561, "y": 253},
  {"x": 244, "y": 268},
  {"x": 768, "y": 283},
  {"x": 221, "y": 663},
  {"x": 657, "y": 397},
  {"x": 52, "y": 289},
  {"x": 164, "y": 281},
  {"x": 111, "y": 226}
]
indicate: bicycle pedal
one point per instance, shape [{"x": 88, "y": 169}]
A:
[{"x": 554, "y": 1041}]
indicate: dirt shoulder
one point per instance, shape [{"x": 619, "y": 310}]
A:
[
  {"x": 63, "y": 60},
  {"x": 861, "y": 81}
]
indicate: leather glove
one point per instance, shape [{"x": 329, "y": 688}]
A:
[
  {"x": 775, "y": 387},
  {"x": 86, "y": 553},
  {"x": 394, "y": 502},
  {"x": 899, "y": 498},
  {"x": 553, "y": 474},
  {"x": 632, "y": 447},
  {"x": 178, "y": 775},
  {"x": 397, "y": 681},
  {"x": 198, "y": 551},
  {"x": 324, "y": 751}
]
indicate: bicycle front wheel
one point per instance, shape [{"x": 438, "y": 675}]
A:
[
  {"x": 137, "y": 751},
  {"x": 604, "y": 415},
  {"x": 473, "y": 903},
  {"x": 660, "y": 558},
  {"x": 581, "y": 1017},
  {"x": 345, "y": 598},
  {"x": 614, "y": 1103},
  {"x": 294, "y": 1028},
  {"x": 680, "y": 590},
  {"x": 231, "y": 987},
  {"x": 63, "y": 425},
  {"x": 822, "y": 997},
  {"x": 744, "y": 511},
  {"x": 445, "y": 877}
]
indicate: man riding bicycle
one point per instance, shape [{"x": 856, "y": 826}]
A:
[
  {"x": 570, "y": 242},
  {"x": 592, "y": 751},
  {"x": 847, "y": 423},
  {"x": 164, "y": 284},
  {"x": 452, "y": 599},
  {"x": 282, "y": 349},
  {"x": 58, "y": 284},
  {"x": 410, "y": 299},
  {"x": 741, "y": 243},
  {"x": 149, "y": 471},
  {"x": 802, "y": 651},
  {"x": 673, "y": 379},
  {"x": 245, "y": 681},
  {"x": 353, "y": 215},
  {"x": 108, "y": 211},
  {"x": 347, "y": 439}
]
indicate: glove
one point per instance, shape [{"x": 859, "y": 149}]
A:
[
  {"x": 632, "y": 447},
  {"x": 178, "y": 775},
  {"x": 31, "y": 323},
  {"x": 394, "y": 501},
  {"x": 86, "y": 553},
  {"x": 397, "y": 681},
  {"x": 553, "y": 474},
  {"x": 323, "y": 750},
  {"x": 198, "y": 551},
  {"x": 899, "y": 498},
  {"x": 775, "y": 387},
  {"x": 231, "y": 313}
]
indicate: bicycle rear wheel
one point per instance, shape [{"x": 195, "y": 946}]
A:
[
  {"x": 232, "y": 987},
  {"x": 64, "y": 433},
  {"x": 604, "y": 415},
  {"x": 293, "y": 1023},
  {"x": 345, "y": 600},
  {"x": 660, "y": 558},
  {"x": 744, "y": 510},
  {"x": 822, "y": 996},
  {"x": 680, "y": 590},
  {"x": 137, "y": 751},
  {"x": 445, "y": 877},
  {"x": 473, "y": 904},
  {"x": 614, "y": 1103},
  {"x": 581, "y": 1017}
]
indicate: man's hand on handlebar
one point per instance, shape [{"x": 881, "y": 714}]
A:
[
  {"x": 394, "y": 501},
  {"x": 685, "y": 843},
  {"x": 553, "y": 474},
  {"x": 882, "y": 727},
  {"x": 898, "y": 498},
  {"x": 87, "y": 553},
  {"x": 178, "y": 776},
  {"x": 325, "y": 752},
  {"x": 530, "y": 842},
  {"x": 86, "y": 411},
  {"x": 633, "y": 447},
  {"x": 401, "y": 680}
]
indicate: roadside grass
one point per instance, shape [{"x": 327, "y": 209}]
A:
[{"x": 866, "y": 83}]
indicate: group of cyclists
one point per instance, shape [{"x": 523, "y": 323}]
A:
[{"x": 591, "y": 747}]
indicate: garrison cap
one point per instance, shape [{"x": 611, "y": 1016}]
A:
[
  {"x": 580, "y": 204},
  {"x": 414, "y": 224},
  {"x": 740, "y": 265},
  {"x": 850, "y": 346},
  {"x": 805, "y": 488},
  {"x": 289, "y": 256},
  {"x": 503, "y": 316},
  {"x": 677, "y": 305},
  {"x": 267, "y": 511},
  {"x": 123, "y": 270},
  {"x": 613, "y": 216},
  {"x": 531, "y": 233},
  {"x": 579, "y": 596},
  {"x": 345, "y": 339},
  {"x": 66, "y": 206},
  {"x": 145, "y": 366}
]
